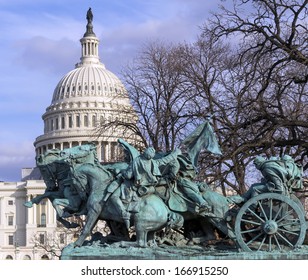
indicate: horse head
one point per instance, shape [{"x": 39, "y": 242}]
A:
[
  {"x": 53, "y": 167},
  {"x": 85, "y": 153}
]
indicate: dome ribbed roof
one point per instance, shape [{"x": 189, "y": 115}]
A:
[{"x": 92, "y": 80}]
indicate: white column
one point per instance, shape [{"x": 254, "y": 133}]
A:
[
  {"x": 99, "y": 151},
  {"x": 1, "y": 211},
  {"x": 108, "y": 151}
]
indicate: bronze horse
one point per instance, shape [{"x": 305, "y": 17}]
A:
[{"x": 90, "y": 180}]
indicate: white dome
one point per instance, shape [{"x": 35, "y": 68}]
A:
[
  {"x": 92, "y": 81},
  {"x": 85, "y": 98}
]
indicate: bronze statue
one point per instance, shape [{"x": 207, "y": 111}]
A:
[
  {"x": 89, "y": 16},
  {"x": 158, "y": 195}
]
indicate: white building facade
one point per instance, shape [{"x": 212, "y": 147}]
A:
[
  {"x": 83, "y": 99},
  {"x": 21, "y": 228}
]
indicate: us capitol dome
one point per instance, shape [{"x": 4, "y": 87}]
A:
[{"x": 83, "y": 99}]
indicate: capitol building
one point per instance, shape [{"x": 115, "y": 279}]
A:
[{"x": 85, "y": 98}]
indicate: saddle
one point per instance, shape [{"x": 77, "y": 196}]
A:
[
  {"x": 174, "y": 198},
  {"x": 176, "y": 201}
]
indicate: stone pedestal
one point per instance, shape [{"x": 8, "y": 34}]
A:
[{"x": 175, "y": 253}]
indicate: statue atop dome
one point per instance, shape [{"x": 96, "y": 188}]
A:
[{"x": 89, "y": 17}]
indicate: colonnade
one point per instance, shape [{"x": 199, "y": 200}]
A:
[{"x": 107, "y": 151}]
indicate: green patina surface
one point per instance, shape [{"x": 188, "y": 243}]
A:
[{"x": 156, "y": 198}]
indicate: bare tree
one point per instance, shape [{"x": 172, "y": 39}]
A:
[
  {"x": 248, "y": 70},
  {"x": 276, "y": 27},
  {"x": 263, "y": 109},
  {"x": 52, "y": 243},
  {"x": 160, "y": 95}
]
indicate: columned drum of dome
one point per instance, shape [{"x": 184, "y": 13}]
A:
[{"x": 85, "y": 97}]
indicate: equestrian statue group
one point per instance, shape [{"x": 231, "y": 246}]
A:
[{"x": 150, "y": 195}]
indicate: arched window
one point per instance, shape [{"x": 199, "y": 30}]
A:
[
  {"x": 70, "y": 121},
  {"x": 57, "y": 123},
  {"x": 43, "y": 220},
  {"x": 77, "y": 121},
  {"x": 27, "y": 257},
  {"x": 93, "y": 120},
  {"x": 62, "y": 122},
  {"x": 9, "y": 257},
  {"x": 85, "y": 121},
  {"x": 51, "y": 125},
  {"x": 44, "y": 257}
]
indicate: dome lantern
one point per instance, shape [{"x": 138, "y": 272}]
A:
[{"x": 89, "y": 44}]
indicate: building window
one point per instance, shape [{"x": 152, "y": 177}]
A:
[
  {"x": 86, "y": 122},
  {"x": 42, "y": 238},
  {"x": 57, "y": 123},
  {"x": 104, "y": 151},
  {"x": 78, "y": 121},
  {"x": 62, "y": 122},
  {"x": 11, "y": 240},
  {"x": 93, "y": 120},
  {"x": 44, "y": 257},
  {"x": 70, "y": 122},
  {"x": 62, "y": 238},
  {"x": 43, "y": 220},
  {"x": 10, "y": 221},
  {"x": 10, "y": 202}
]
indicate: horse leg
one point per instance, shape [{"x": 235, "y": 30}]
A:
[
  {"x": 94, "y": 210},
  {"x": 153, "y": 215},
  {"x": 151, "y": 239},
  {"x": 67, "y": 224},
  {"x": 56, "y": 203},
  {"x": 38, "y": 199},
  {"x": 141, "y": 235},
  {"x": 225, "y": 228},
  {"x": 72, "y": 203},
  {"x": 68, "y": 207}
]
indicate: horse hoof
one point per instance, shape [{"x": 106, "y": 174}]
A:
[
  {"x": 28, "y": 204},
  {"x": 141, "y": 244}
]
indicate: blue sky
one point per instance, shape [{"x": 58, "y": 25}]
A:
[{"x": 40, "y": 44}]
